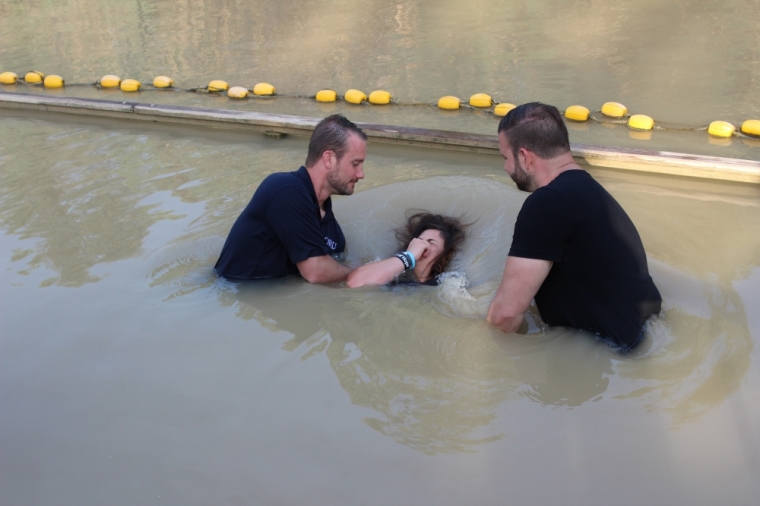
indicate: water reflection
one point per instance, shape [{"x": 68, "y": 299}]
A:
[
  {"x": 432, "y": 372},
  {"x": 436, "y": 382},
  {"x": 421, "y": 374},
  {"x": 89, "y": 196},
  {"x": 700, "y": 349}
]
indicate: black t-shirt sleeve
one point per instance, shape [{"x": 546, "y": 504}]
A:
[
  {"x": 293, "y": 218},
  {"x": 543, "y": 226}
]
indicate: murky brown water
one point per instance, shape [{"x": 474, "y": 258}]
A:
[{"x": 129, "y": 374}]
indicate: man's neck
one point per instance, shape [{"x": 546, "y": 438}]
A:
[
  {"x": 553, "y": 167},
  {"x": 319, "y": 181}
]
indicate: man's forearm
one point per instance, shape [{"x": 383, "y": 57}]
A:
[
  {"x": 323, "y": 269},
  {"x": 521, "y": 280}
]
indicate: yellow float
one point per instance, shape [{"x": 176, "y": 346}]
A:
[
  {"x": 751, "y": 127},
  {"x": 721, "y": 129},
  {"x": 217, "y": 85},
  {"x": 163, "y": 82},
  {"x": 130, "y": 85},
  {"x": 482, "y": 100},
  {"x": 614, "y": 109},
  {"x": 353, "y": 96},
  {"x": 449, "y": 103},
  {"x": 577, "y": 113},
  {"x": 53, "y": 81},
  {"x": 8, "y": 78},
  {"x": 110, "y": 81},
  {"x": 380, "y": 97},
  {"x": 640, "y": 122},
  {"x": 34, "y": 77},
  {"x": 503, "y": 109},
  {"x": 237, "y": 92},
  {"x": 263, "y": 89},
  {"x": 326, "y": 96}
]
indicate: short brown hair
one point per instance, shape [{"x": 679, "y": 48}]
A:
[
  {"x": 331, "y": 134},
  {"x": 452, "y": 230},
  {"x": 536, "y": 127}
]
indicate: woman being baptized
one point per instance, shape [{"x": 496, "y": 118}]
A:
[{"x": 430, "y": 242}]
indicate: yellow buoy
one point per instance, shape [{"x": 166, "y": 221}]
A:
[
  {"x": 640, "y": 122},
  {"x": 326, "y": 96},
  {"x": 110, "y": 81},
  {"x": 379, "y": 97},
  {"x": 53, "y": 81},
  {"x": 503, "y": 109},
  {"x": 163, "y": 82},
  {"x": 614, "y": 110},
  {"x": 8, "y": 78},
  {"x": 577, "y": 113},
  {"x": 481, "y": 100},
  {"x": 751, "y": 127},
  {"x": 130, "y": 85},
  {"x": 217, "y": 85},
  {"x": 721, "y": 129},
  {"x": 34, "y": 77},
  {"x": 237, "y": 92},
  {"x": 449, "y": 103},
  {"x": 354, "y": 96},
  {"x": 263, "y": 89}
]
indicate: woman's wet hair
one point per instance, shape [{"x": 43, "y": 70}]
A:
[
  {"x": 452, "y": 230},
  {"x": 536, "y": 127},
  {"x": 331, "y": 134}
]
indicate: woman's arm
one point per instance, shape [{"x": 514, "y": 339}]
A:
[
  {"x": 375, "y": 273},
  {"x": 382, "y": 272}
]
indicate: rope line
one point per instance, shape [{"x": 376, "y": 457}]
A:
[{"x": 616, "y": 114}]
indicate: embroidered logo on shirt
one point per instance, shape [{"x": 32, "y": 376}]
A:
[{"x": 332, "y": 244}]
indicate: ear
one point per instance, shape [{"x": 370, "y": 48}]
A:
[
  {"x": 328, "y": 157},
  {"x": 526, "y": 158}
]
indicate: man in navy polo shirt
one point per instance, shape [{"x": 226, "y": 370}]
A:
[
  {"x": 574, "y": 248},
  {"x": 289, "y": 227}
]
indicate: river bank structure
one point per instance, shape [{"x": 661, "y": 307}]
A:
[{"x": 662, "y": 162}]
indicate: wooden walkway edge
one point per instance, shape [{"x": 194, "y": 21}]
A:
[{"x": 663, "y": 162}]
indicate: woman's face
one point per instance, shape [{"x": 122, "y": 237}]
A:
[{"x": 435, "y": 239}]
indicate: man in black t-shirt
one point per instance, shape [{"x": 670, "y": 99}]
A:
[
  {"x": 289, "y": 227},
  {"x": 574, "y": 248}
]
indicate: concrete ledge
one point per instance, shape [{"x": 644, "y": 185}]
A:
[{"x": 663, "y": 162}]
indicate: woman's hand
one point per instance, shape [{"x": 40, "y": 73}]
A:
[{"x": 419, "y": 248}]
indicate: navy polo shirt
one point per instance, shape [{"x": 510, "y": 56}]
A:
[{"x": 281, "y": 226}]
